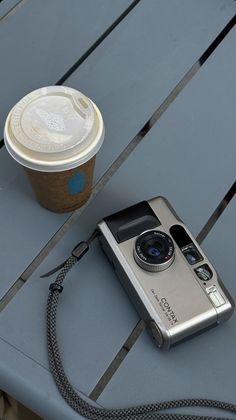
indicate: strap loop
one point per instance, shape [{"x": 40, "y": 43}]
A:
[
  {"x": 80, "y": 249},
  {"x": 55, "y": 287}
]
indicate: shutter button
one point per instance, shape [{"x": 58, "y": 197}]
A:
[{"x": 215, "y": 296}]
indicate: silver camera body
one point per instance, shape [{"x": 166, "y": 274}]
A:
[{"x": 168, "y": 278}]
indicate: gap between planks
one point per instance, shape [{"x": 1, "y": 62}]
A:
[{"x": 12, "y": 11}]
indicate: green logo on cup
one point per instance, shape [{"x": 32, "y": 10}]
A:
[{"x": 76, "y": 184}]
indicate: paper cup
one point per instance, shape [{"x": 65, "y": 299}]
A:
[{"x": 55, "y": 133}]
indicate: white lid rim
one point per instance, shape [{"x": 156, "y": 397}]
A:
[{"x": 56, "y": 166}]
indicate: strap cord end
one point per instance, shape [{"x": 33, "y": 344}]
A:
[
  {"x": 78, "y": 252},
  {"x": 55, "y": 287}
]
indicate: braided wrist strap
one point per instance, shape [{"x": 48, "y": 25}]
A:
[{"x": 149, "y": 411}]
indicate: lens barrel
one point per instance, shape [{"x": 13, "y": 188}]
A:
[{"x": 154, "y": 251}]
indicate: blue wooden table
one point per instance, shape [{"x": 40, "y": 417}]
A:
[{"x": 163, "y": 74}]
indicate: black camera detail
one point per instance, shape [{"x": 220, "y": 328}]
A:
[
  {"x": 132, "y": 221},
  {"x": 191, "y": 254},
  {"x": 204, "y": 272},
  {"x": 185, "y": 243}
]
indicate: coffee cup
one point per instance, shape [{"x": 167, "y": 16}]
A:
[{"x": 55, "y": 133}]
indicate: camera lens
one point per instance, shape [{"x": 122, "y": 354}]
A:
[{"x": 154, "y": 250}]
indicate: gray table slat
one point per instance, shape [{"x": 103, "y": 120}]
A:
[
  {"x": 127, "y": 90},
  {"x": 85, "y": 323},
  {"x": 39, "y": 43},
  {"x": 93, "y": 304},
  {"x": 45, "y": 401},
  {"x": 204, "y": 367},
  {"x": 6, "y": 6},
  {"x": 136, "y": 68}
]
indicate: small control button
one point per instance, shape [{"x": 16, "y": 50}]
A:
[
  {"x": 191, "y": 254},
  {"x": 156, "y": 333},
  {"x": 204, "y": 272},
  {"x": 215, "y": 296}
]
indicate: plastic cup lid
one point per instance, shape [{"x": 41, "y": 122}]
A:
[{"x": 53, "y": 129}]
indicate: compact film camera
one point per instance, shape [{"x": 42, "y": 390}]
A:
[{"x": 168, "y": 278}]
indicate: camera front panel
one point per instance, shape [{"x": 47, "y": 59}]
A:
[{"x": 168, "y": 278}]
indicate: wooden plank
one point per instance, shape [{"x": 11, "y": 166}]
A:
[
  {"x": 126, "y": 89},
  {"x": 135, "y": 70},
  {"x": 7, "y": 6},
  {"x": 93, "y": 303},
  {"x": 45, "y": 401},
  {"x": 90, "y": 285},
  {"x": 39, "y": 44}
]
